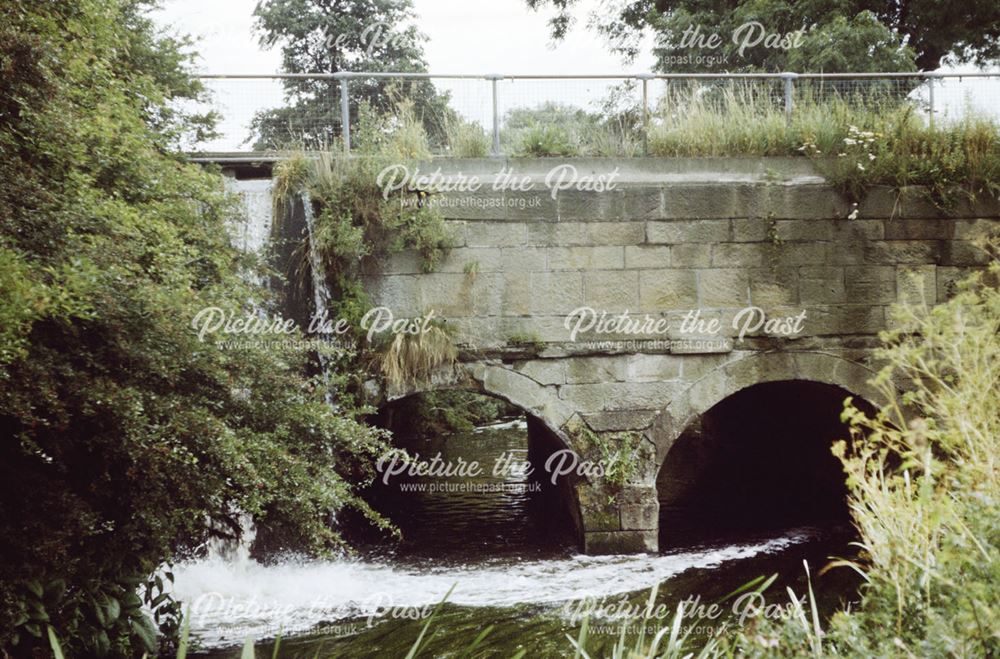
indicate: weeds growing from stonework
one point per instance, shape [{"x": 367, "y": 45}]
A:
[
  {"x": 414, "y": 357},
  {"x": 955, "y": 162},
  {"x": 357, "y": 225}
]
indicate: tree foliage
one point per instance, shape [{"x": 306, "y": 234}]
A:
[
  {"x": 331, "y": 37},
  {"x": 839, "y": 35},
  {"x": 126, "y": 438}
]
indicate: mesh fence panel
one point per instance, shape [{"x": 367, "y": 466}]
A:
[
  {"x": 956, "y": 97},
  {"x": 237, "y": 102},
  {"x": 602, "y": 116},
  {"x": 541, "y": 117}
]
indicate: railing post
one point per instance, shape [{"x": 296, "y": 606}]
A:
[
  {"x": 645, "y": 78},
  {"x": 930, "y": 99},
  {"x": 495, "y": 78},
  {"x": 345, "y": 115},
  {"x": 789, "y": 79}
]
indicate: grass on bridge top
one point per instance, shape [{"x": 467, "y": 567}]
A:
[{"x": 856, "y": 140}]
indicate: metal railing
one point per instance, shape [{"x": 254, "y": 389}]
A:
[{"x": 272, "y": 110}]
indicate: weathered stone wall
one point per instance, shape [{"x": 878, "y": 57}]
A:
[{"x": 672, "y": 237}]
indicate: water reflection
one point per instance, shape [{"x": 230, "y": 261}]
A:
[{"x": 503, "y": 511}]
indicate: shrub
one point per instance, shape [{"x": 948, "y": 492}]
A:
[
  {"x": 467, "y": 139},
  {"x": 127, "y": 438},
  {"x": 545, "y": 140}
]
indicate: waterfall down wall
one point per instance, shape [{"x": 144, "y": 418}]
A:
[{"x": 252, "y": 230}]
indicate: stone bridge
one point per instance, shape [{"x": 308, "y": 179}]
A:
[{"x": 666, "y": 241}]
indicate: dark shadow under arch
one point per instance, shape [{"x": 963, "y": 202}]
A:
[
  {"x": 505, "y": 513},
  {"x": 758, "y": 460}
]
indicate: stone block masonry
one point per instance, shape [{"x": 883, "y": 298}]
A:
[{"x": 673, "y": 238}]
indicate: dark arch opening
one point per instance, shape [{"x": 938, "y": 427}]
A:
[
  {"x": 757, "y": 461},
  {"x": 509, "y": 507}
]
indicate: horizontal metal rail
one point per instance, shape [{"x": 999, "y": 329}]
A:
[{"x": 596, "y": 76}]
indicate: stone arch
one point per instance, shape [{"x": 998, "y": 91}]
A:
[
  {"x": 758, "y": 368},
  {"x": 540, "y": 403},
  {"x": 503, "y": 382}
]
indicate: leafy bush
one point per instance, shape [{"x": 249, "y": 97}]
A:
[
  {"x": 128, "y": 439},
  {"x": 925, "y": 484}
]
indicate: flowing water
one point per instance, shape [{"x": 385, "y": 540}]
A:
[
  {"x": 321, "y": 292},
  {"x": 506, "y": 557},
  {"x": 252, "y": 232}
]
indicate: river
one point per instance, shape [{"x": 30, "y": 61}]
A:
[{"x": 508, "y": 559}]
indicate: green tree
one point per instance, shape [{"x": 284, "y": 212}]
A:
[
  {"x": 127, "y": 438},
  {"x": 839, "y": 35},
  {"x": 318, "y": 36}
]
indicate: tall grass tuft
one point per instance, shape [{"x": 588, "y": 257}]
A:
[
  {"x": 858, "y": 141},
  {"x": 749, "y": 119},
  {"x": 412, "y": 358},
  {"x": 467, "y": 139},
  {"x": 406, "y": 138}
]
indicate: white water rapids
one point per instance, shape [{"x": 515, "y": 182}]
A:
[{"x": 231, "y": 599}]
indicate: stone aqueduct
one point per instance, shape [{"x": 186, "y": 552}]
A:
[{"x": 672, "y": 236}]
